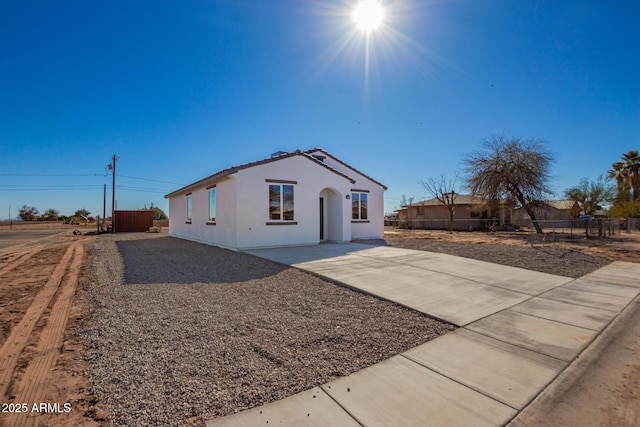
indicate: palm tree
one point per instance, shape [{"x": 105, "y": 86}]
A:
[
  {"x": 620, "y": 173},
  {"x": 631, "y": 161}
]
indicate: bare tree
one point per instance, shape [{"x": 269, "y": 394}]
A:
[
  {"x": 405, "y": 203},
  {"x": 508, "y": 167},
  {"x": 443, "y": 189}
]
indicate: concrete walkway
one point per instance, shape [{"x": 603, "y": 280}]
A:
[{"x": 520, "y": 329}]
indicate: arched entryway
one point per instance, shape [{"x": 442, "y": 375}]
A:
[{"x": 330, "y": 221}]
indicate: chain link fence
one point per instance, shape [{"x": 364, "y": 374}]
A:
[
  {"x": 570, "y": 229},
  {"x": 552, "y": 230},
  {"x": 471, "y": 224}
]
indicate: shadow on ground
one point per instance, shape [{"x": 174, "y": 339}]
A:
[{"x": 172, "y": 260}]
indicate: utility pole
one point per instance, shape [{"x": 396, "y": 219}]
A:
[
  {"x": 104, "y": 208},
  {"x": 112, "y": 166}
]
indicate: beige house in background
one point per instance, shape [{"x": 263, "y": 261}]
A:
[
  {"x": 471, "y": 213},
  {"x": 550, "y": 210}
]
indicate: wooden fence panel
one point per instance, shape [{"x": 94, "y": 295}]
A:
[{"x": 136, "y": 221}]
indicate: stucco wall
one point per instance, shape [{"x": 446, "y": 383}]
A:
[
  {"x": 223, "y": 233},
  {"x": 311, "y": 179},
  {"x": 374, "y": 228},
  {"x": 242, "y": 217}
]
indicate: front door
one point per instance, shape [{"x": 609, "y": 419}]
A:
[{"x": 321, "y": 218}]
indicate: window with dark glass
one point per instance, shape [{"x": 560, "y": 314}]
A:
[
  {"x": 281, "y": 206},
  {"x": 359, "y": 206}
]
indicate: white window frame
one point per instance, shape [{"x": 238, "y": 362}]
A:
[
  {"x": 281, "y": 202},
  {"x": 212, "y": 191},
  {"x": 360, "y": 194},
  {"x": 189, "y": 207}
]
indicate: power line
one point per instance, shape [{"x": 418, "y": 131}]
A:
[
  {"x": 50, "y": 185},
  {"x": 50, "y": 189},
  {"x": 146, "y": 190},
  {"x": 147, "y": 179},
  {"x": 52, "y": 174}
]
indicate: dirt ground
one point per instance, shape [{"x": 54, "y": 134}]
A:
[
  {"x": 621, "y": 247},
  {"x": 43, "y": 306}
]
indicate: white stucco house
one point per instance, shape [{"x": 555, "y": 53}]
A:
[{"x": 290, "y": 199}]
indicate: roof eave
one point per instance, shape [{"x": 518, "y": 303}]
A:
[
  {"x": 312, "y": 150},
  {"x": 211, "y": 179}
]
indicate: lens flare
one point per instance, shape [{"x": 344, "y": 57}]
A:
[{"x": 368, "y": 15}]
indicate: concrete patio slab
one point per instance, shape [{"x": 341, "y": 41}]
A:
[
  {"x": 620, "y": 268},
  {"x": 462, "y": 307},
  {"x": 512, "y": 375},
  {"x": 614, "y": 279},
  {"x": 454, "y": 299},
  {"x": 589, "y": 299},
  {"x": 312, "y": 408},
  {"x": 400, "y": 392},
  {"x": 602, "y": 288},
  {"x": 571, "y": 314},
  {"x": 510, "y": 278},
  {"x": 514, "y": 279},
  {"x": 544, "y": 336}
]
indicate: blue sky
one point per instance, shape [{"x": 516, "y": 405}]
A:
[{"x": 180, "y": 90}]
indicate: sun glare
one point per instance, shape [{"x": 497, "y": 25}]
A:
[{"x": 368, "y": 15}]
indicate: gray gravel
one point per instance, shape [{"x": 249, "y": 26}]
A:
[
  {"x": 183, "y": 332},
  {"x": 549, "y": 259}
]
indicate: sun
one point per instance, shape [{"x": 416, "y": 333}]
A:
[{"x": 368, "y": 15}]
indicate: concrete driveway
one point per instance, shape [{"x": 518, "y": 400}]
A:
[
  {"x": 457, "y": 290},
  {"x": 519, "y": 330}
]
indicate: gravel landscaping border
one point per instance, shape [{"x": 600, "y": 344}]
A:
[
  {"x": 183, "y": 332},
  {"x": 550, "y": 259}
]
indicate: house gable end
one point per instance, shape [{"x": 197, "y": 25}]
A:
[
  {"x": 234, "y": 169},
  {"x": 316, "y": 150}
]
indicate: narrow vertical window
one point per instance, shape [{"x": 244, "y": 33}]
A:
[
  {"x": 274, "y": 202},
  {"x": 212, "y": 204},
  {"x": 189, "y": 207},
  {"x": 363, "y": 206},
  {"x": 287, "y": 202},
  {"x": 359, "y": 206},
  {"x": 355, "y": 206}
]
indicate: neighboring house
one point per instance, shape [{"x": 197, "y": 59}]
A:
[
  {"x": 550, "y": 210},
  {"x": 295, "y": 198},
  {"x": 471, "y": 213}
]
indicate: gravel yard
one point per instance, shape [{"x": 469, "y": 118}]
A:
[
  {"x": 183, "y": 332},
  {"x": 550, "y": 259}
]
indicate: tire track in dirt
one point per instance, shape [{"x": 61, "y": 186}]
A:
[
  {"x": 31, "y": 388},
  {"x": 19, "y": 337},
  {"x": 19, "y": 259}
]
